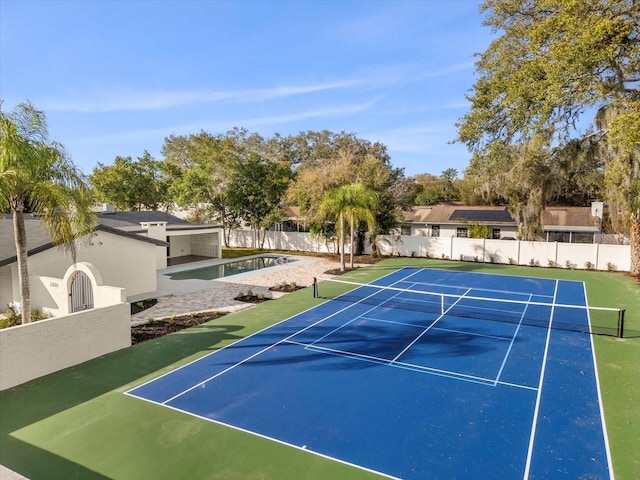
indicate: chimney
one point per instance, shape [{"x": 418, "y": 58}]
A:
[
  {"x": 157, "y": 230},
  {"x": 596, "y": 209}
]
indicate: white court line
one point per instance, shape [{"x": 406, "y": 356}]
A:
[
  {"x": 303, "y": 448},
  {"x": 539, "y": 396},
  {"x": 490, "y": 382},
  {"x": 513, "y": 338},
  {"x": 452, "y": 330},
  {"x": 492, "y": 290},
  {"x": 429, "y": 327},
  {"x": 595, "y": 369},
  {"x": 364, "y": 313}
]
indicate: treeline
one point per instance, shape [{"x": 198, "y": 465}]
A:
[
  {"x": 240, "y": 176},
  {"x": 243, "y": 177}
]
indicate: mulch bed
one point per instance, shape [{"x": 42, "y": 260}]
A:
[
  {"x": 252, "y": 298},
  {"x": 142, "y": 305},
  {"x": 159, "y": 328},
  {"x": 286, "y": 288}
]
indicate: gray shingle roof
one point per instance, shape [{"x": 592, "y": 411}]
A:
[
  {"x": 38, "y": 240},
  {"x": 133, "y": 219},
  {"x": 552, "y": 218}
]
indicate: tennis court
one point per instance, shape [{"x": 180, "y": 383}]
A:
[{"x": 485, "y": 376}]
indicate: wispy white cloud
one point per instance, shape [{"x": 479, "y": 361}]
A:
[
  {"x": 336, "y": 111},
  {"x": 124, "y": 99}
]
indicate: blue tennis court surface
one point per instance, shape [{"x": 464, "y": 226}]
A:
[{"x": 392, "y": 385}]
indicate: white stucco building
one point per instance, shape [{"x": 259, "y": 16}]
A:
[{"x": 124, "y": 252}]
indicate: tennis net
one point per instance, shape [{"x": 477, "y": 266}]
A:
[{"x": 576, "y": 318}]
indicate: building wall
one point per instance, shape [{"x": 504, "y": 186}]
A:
[
  {"x": 451, "y": 230},
  {"x": 121, "y": 261},
  {"x": 36, "y": 349},
  {"x": 6, "y": 287},
  {"x": 179, "y": 246}
]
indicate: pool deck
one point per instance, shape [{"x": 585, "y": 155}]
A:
[{"x": 176, "y": 297}]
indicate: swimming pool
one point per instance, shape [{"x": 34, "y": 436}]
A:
[{"x": 211, "y": 272}]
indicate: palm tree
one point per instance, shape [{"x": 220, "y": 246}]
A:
[
  {"x": 361, "y": 207},
  {"x": 36, "y": 175},
  {"x": 354, "y": 202}
]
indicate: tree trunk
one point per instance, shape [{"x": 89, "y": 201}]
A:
[
  {"x": 342, "y": 266},
  {"x": 20, "y": 237},
  {"x": 635, "y": 245},
  {"x": 351, "y": 238}
]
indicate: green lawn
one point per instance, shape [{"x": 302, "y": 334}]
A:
[{"x": 78, "y": 423}]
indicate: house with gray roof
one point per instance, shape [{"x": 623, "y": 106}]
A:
[
  {"x": 125, "y": 251},
  {"x": 560, "y": 224}
]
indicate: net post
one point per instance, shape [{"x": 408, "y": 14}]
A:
[
  {"x": 315, "y": 287},
  {"x": 621, "y": 323}
]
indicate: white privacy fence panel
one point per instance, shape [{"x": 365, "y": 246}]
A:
[
  {"x": 614, "y": 257},
  {"x": 538, "y": 253},
  {"x": 543, "y": 254}
]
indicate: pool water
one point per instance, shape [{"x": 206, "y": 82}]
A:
[{"x": 226, "y": 269}]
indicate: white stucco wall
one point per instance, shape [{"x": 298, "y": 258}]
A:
[
  {"x": 36, "y": 349},
  {"x": 179, "y": 246},
  {"x": 58, "y": 290},
  {"x": 122, "y": 262},
  {"x": 6, "y": 287}
]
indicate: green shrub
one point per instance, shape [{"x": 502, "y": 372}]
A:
[
  {"x": 12, "y": 317},
  {"x": 512, "y": 261},
  {"x": 588, "y": 265},
  {"x": 611, "y": 267},
  {"x": 5, "y": 323}
]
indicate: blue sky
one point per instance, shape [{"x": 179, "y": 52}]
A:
[{"x": 117, "y": 77}]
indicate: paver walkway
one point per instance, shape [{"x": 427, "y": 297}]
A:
[{"x": 208, "y": 295}]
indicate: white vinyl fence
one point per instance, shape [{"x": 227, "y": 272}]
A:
[{"x": 544, "y": 254}]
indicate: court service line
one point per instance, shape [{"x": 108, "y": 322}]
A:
[
  {"x": 429, "y": 327},
  {"x": 371, "y": 309},
  {"x": 481, "y": 290},
  {"x": 452, "y": 330},
  {"x": 536, "y": 410},
  {"x": 513, "y": 338},
  {"x": 403, "y": 365},
  {"x": 489, "y": 382},
  {"x": 357, "y": 317},
  {"x": 260, "y": 352}
]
